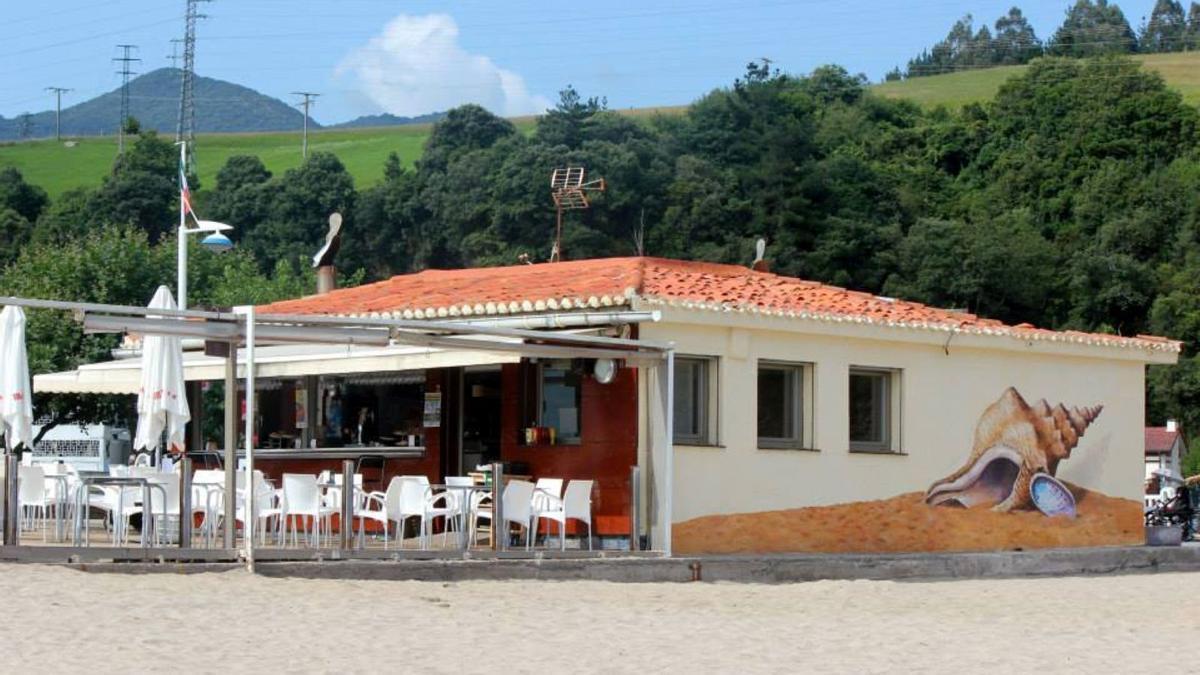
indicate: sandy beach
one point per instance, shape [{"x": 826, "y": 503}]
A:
[
  {"x": 905, "y": 523},
  {"x": 61, "y": 620}
]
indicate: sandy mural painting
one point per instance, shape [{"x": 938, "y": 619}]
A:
[{"x": 1005, "y": 496}]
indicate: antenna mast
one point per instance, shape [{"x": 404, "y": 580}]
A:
[{"x": 569, "y": 188}]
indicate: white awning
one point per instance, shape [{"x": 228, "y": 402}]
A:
[{"x": 123, "y": 376}]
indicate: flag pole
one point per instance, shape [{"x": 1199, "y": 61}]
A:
[{"x": 181, "y": 243}]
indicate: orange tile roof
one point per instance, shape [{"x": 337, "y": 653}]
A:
[
  {"x": 608, "y": 282},
  {"x": 1159, "y": 441}
]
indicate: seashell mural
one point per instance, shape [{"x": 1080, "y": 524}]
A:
[{"x": 1014, "y": 442}]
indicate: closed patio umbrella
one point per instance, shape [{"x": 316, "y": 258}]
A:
[
  {"x": 162, "y": 404},
  {"x": 16, "y": 406}
]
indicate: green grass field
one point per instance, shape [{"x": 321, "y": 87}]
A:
[
  {"x": 57, "y": 168},
  {"x": 1181, "y": 71}
]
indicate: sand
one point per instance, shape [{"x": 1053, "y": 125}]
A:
[
  {"x": 906, "y": 524},
  {"x": 61, "y": 620}
]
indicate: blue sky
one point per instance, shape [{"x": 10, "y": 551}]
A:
[{"x": 371, "y": 56}]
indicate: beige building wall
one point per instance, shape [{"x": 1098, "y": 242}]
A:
[{"x": 947, "y": 381}]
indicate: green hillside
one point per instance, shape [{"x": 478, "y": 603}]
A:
[
  {"x": 57, "y": 167},
  {"x": 1181, "y": 72}
]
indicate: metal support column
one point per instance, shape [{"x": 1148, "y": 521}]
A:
[
  {"x": 346, "y": 518},
  {"x": 231, "y": 405},
  {"x": 499, "y": 527},
  {"x": 12, "y": 528},
  {"x": 635, "y": 508},
  {"x": 185, "y": 502}
]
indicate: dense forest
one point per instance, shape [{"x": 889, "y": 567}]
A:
[
  {"x": 1071, "y": 200},
  {"x": 1090, "y": 28}
]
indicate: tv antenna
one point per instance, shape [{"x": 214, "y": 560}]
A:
[{"x": 570, "y": 189}]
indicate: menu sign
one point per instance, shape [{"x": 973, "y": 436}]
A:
[{"x": 433, "y": 409}]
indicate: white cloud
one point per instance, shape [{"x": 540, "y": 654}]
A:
[{"x": 416, "y": 66}]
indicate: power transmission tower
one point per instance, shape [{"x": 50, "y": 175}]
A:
[
  {"x": 185, "y": 130},
  {"x": 58, "y": 92},
  {"x": 308, "y": 101},
  {"x": 174, "y": 56},
  {"x": 125, "y": 59},
  {"x": 24, "y": 129}
]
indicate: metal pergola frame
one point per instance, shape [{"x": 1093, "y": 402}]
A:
[{"x": 244, "y": 327}]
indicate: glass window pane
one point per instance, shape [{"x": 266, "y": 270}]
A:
[
  {"x": 867, "y": 394},
  {"x": 691, "y": 400},
  {"x": 775, "y": 405},
  {"x": 561, "y": 396}
]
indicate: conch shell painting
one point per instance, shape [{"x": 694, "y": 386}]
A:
[{"x": 1016, "y": 443}]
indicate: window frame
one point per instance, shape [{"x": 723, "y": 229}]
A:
[
  {"x": 800, "y": 375},
  {"x": 709, "y": 409},
  {"x": 889, "y": 410},
  {"x": 539, "y": 400}
]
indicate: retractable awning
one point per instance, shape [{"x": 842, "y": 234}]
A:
[{"x": 123, "y": 376}]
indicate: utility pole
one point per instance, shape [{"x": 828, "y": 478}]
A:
[
  {"x": 308, "y": 101},
  {"x": 58, "y": 92},
  {"x": 25, "y": 127},
  {"x": 125, "y": 59},
  {"x": 185, "y": 130}
]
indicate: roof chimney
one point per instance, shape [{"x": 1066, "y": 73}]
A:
[
  {"x": 323, "y": 260},
  {"x": 759, "y": 264},
  {"x": 1172, "y": 426}
]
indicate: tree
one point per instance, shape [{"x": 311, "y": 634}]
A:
[
  {"x": 297, "y": 214},
  {"x": 142, "y": 189},
  {"x": 1166, "y": 30},
  {"x": 110, "y": 265},
  {"x": 1192, "y": 31},
  {"x": 1015, "y": 41},
  {"x": 564, "y": 123},
  {"x": 463, "y": 129},
  {"x": 241, "y": 197},
  {"x": 1093, "y": 27},
  {"x": 15, "y": 232},
  {"x": 27, "y": 200}
]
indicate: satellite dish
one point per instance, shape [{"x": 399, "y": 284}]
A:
[
  {"x": 333, "y": 241},
  {"x": 604, "y": 371}
]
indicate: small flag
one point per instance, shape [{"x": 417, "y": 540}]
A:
[{"x": 185, "y": 195}]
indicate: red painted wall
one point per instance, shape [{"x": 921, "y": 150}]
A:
[{"x": 608, "y": 425}]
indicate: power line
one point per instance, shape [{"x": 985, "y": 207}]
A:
[
  {"x": 185, "y": 130},
  {"x": 125, "y": 59},
  {"x": 58, "y": 92},
  {"x": 308, "y": 101}
]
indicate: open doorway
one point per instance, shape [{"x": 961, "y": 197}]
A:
[{"x": 480, "y": 418}]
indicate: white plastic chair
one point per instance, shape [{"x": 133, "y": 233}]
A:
[
  {"x": 418, "y": 501},
  {"x": 388, "y": 510},
  {"x": 31, "y": 496},
  {"x": 302, "y": 498},
  {"x": 547, "y": 496},
  {"x": 266, "y": 506},
  {"x": 517, "y": 501},
  {"x": 164, "y": 506},
  {"x": 576, "y": 504}
]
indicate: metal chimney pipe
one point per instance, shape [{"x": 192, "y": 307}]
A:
[{"x": 326, "y": 279}]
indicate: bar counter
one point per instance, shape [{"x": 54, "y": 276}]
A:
[{"x": 354, "y": 452}]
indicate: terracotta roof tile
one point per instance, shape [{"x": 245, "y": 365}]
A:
[
  {"x": 1159, "y": 441},
  {"x": 607, "y": 282}
]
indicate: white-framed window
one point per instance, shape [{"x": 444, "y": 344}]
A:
[
  {"x": 874, "y": 395},
  {"x": 695, "y": 400},
  {"x": 784, "y": 405}
]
